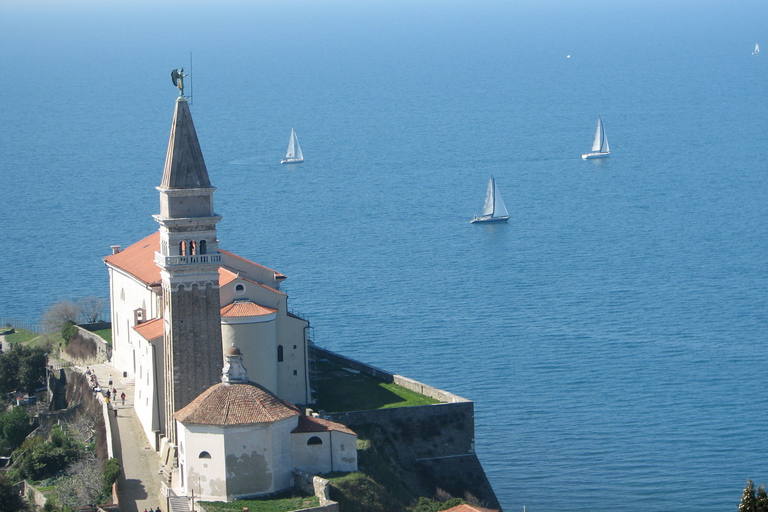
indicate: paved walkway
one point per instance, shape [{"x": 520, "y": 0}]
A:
[{"x": 138, "y": 488}]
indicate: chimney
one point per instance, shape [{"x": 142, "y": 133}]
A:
[{"x": 115, "y": 249}]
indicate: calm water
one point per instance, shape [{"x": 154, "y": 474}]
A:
[{"x": 612, "y": 335}]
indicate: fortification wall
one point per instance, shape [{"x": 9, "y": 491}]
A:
[{"x": 433, "y": 445}]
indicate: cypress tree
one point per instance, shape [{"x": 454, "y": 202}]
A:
[{"x": 748, "y": 498}]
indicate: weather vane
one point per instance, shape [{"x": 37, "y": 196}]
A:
[{"x": 177, "y": 77}]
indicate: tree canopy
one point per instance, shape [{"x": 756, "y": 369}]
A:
[
  {"x": 753, "y": 501},
  {"x": 22, "y": 369}
]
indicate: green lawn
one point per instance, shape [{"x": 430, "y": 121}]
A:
[
  {"x": 340, "y": 390},
  {"x": 106, "y": 334},
  {"x": 20, "y": 336},
  {"x": 280, "y": 503}
]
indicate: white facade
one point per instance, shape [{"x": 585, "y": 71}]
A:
[
  {"x": 324, "y": 452},
  {"x": 136, "y": 298}
]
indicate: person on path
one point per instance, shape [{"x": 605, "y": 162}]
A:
[
  {"x": 109, "y": 395},
  {"x": 110, "y": 381},
  {"x": 122, "y": 397},
  {"x": 114, "y": 408}
]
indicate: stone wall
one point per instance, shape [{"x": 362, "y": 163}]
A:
[
  {"x": 411, "y": 384},
  {"x": 316, "y": 486},
  {"x": 103, "y": 350},
  {"x": 432, "y": 445}
]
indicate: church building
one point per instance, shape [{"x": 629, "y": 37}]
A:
[{"x": 179, "y": 304}]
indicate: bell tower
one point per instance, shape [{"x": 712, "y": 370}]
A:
[{"x": 189, "y": 263}]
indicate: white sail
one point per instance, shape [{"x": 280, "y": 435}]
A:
[
  {"x": 757, "y": 49},
  {"x": 291, "y": 145},
  {"x": 490, "y": 196},
  {"x": 499, "y": 209},
  {"x": 598, "y": 143},
  {"x": 299, "y": 155}
]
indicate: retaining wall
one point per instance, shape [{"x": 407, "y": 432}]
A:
[{"x": 432, "y": 445}]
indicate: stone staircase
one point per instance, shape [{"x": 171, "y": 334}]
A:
[{"x": 178, "y": 503}]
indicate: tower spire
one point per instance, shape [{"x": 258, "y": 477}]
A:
[{"x": 189, "y": 269}]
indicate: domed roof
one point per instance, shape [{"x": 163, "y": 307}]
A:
[
  {"x": 236, "y": 404},
  {"x": 233, "y": 351}
]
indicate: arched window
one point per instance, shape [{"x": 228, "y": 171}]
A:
[
  {"x": 279, "y": 353},
  {"x": 203, "y": 248},
  {"x": 314, "y": 440},
  {"x": 192, "y": 248},
  {"x": 204, "y": 455},
  {"x": 240, "y": 289},
  {"x": 182, "y": 248}
]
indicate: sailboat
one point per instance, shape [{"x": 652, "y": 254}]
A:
[
  {"x": 757, "y": 49},
  {"x": 293, "y": 155},
  {"x": 600, "y": 147},
  {"x": 493, "y": 208}
]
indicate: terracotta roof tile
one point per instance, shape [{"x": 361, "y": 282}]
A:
[
  {"x": 226, "y": 276},
  {"x": 236, "y": 404},
  {"x": 139, "y": 259},
  {"x": 151, "y": 329},
  {"x": 469, "y": 508},
  {"x": 313, "y": 424},
  {"x": 245, "y": 308}
]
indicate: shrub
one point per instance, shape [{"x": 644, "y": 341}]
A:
[
  {"x": 112, "y": 472},
  {"x": 68, "y": 330}
]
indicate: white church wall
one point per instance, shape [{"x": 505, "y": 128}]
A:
[
  {"x": 289, "y": 378},
  {"x": 323, "y": 452},
  {"x": 311, "y": 456},
  {"x": 126, "y": 295},
  {"x": 148, "y": 390},
  {"x": 344, "y": 451},
  {"x": 207, "y": 477},
  {"x": 259, "y": 458},
  {"x": 257, "y": 341},
  {"x": 293, "y": 371}
]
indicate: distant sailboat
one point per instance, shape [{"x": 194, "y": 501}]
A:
[
  {"x": 493, "y": 208},
  {"x": 757, "y": 49},
  {"x": 600, "y": 147},
  {"x": 293, "y": 155}
]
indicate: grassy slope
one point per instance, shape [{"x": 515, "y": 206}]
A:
[
  {"x": 281, "y": 503},
  {"x": 340, "y": 390}
]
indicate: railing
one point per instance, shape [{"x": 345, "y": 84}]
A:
[
  {"x": 18, "y": 324},
  {"x": 169, "y": 261}
]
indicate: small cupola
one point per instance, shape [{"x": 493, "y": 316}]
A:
[{"x": 234, "y": 371}]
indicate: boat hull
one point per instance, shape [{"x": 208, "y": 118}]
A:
[
  {"x": 489, "y": 219},
  {"x": 292, "y": 161},
  {"x": 589, "y": 156}
]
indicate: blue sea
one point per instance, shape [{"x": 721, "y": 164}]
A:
[{"x": 612, "y": 335}]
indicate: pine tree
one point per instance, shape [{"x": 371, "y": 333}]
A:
[
  {"x": 748, "y": 498},
  {"x": 762, "y": 499}
]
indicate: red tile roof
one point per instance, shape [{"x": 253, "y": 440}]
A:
[
  {"x": 151, "y": 329},
  {"x": 139, "y": 259},
  {"x": 236, "y": 404},
  {"x": 245, "y": 308},
  {"x": 226, "y": 276},
  {"x": 313, "y": 424},
  {"x": 469, "y": 508}
]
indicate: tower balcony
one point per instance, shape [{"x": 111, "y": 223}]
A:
[{"x": 194, "y": 259}]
